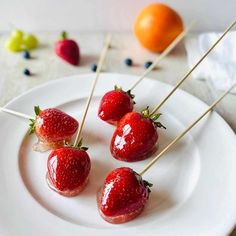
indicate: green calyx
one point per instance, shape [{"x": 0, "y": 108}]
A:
[
  {"x": 147, "y": 185},
  {"x": 37, "y": 110},
  {"x": 79, "y": 145},
  {"x": 153, "y": 117},
  {"x": 127, "y": 92},
  {"x": 32, "y": 124},
  {"x": 130, "y": 94},
  {"x": 63, "y": 35},
  {"x": 117, "y": 88}
]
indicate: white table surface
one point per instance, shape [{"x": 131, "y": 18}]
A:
[{"x": 45, "y": 66}]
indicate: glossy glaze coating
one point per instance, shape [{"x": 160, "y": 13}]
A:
[
  {"x": 123, "y": 195},
  {"x": 114, "y": 105},
  {"x": 53, "y": 125},
  {"x": 68, "y": 168},
  {"x": 134, "y": 139}
]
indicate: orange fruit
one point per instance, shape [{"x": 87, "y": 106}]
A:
[{"x": 157, "y": 26}]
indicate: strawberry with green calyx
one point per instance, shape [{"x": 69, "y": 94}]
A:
[
  {"x": 115, "y": 104},
  {"x": 52, "y": 127},
  {"x": 136, "y": 136},
  {"x": 123, "y": 195},
  {"x": 67, "y": 49},
  {"x": 153, "y": 117},
  {"x": 68, "y": 169}
]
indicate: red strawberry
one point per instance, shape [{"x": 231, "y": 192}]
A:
[
  {"x": 52, "y": 128},
  {"x": 68, "y": 50},
  {"x": 68, "y": 170},
  {"x": 135, "y": 137},
  {"x": 123, "y": 196},
  {"x": 115, "y": 104}
]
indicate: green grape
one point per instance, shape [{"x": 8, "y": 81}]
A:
[
  {"x": 14, "y": 44},
  {"x": 30, "y": 41},
  {"x": 17, "y": 33}
]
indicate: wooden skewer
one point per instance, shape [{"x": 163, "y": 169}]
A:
[
  {"x": 16, "y": 113},
  {"x": 163, "y": 54},
  {"x": 185, "y": 131},
  {"x": 99, "y": 67},
  {"x": 193, "y": 68}
]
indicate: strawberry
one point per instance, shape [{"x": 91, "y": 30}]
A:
[
  {"x": 52, "y": 128},
  {"x": 115, "y": 104},
  {"x": 123, "y": 195},
  {"x": 68, "y": 170},
  {"x": 68, "y": 50},
  {"x": 135, "y": 137}
]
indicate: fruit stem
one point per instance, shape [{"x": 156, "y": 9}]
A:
[{"x": 63, "y": 35}]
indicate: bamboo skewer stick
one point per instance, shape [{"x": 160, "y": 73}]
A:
[
  {"x": 99, "y": 67},
  {"x": 185, "y": 131},
  {"x": 193, "y": 68},
  {"x": 163, "y": 54},
  {"x": 16, "y": 113}
]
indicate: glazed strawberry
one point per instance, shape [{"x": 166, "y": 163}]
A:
[
  {"x": 52, "y": 128},
  {"x": 135, "y": 137},
  {"x": 123, "y": 196},
  {"x": 68, "y": 50},
  {"x": 115, "y": 104},
  {"x": 68, "y": 170}
]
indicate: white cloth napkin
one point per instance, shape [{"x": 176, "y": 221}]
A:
[{"x": 219, "y": 68}]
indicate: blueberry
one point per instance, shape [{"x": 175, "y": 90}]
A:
[
  {"x": 93, "y": 67},
  {"x": 26, "y": 72},
  {"x": 128, "y": 62},
  {"x": 147, "y": 64},
  {"x": 26, "y": 55}
]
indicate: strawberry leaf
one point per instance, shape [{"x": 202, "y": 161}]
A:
[
  {"x": 79, "y": 145},
  {"x": 37, "y": 110},
  {"x": 32, "y": 126},
  {"x": 159, "y": 125},
  {"x": 117, "y": 88},
  {"x": 131, "y": 95},
  {"x": 145, "y": 112},
  {"x": 154, "y": 117},
  {"x": 147, "y": 185}
]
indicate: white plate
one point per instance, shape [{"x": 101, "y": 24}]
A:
[{"x": 194, "y": 190}]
